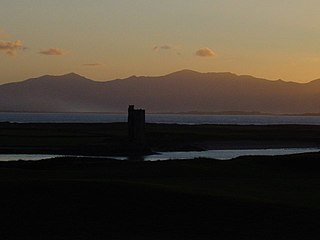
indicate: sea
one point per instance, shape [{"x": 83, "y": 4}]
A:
[{"x": 158, "y": 118}]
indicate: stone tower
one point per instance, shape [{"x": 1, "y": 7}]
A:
[{"x": 136, "y": 125}]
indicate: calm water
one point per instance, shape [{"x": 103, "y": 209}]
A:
[
  {"x": 217, "y": 154},
  {"x": 32, "y": 157},
  {"x": 156, "y": 118},
  {"x": 225, "y": 154}
]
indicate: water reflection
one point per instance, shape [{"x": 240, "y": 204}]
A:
[
  {"x": 219, "y": 154},
  {"x": 133, "y": 158},
  {"x": 216, "y": 154},
  {"x": 32, "y": 157}
]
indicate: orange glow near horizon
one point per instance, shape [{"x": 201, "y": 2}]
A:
[{"x": 105, "y": 40}]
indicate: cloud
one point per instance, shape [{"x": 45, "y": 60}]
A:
[
  {"x": 92, "y": 64},
  {"x": 205, "y": 52},
  {"x": 53, "y": 52},
  {"x": 163, "y": 47},
  {"x": 11, "y": 48},
  {"x": 169, "y": 48}
]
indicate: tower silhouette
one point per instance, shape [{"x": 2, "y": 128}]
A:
[{"x": 136, "y": 125}]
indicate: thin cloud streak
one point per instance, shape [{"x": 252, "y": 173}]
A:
[
  {"x": 162, "y": 47},
  {"x": 53, "y": 52},
  {"x": 168, "y": 48}
]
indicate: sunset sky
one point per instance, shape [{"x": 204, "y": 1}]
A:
[{"x": 108, "y": 39}]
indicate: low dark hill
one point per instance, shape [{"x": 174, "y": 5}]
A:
[{"x": 181, "y": 91}]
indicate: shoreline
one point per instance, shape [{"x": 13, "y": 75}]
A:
[{"x": 221, "y": 155}]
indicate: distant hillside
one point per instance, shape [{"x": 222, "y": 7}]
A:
[{"x": 182, "y": 91}]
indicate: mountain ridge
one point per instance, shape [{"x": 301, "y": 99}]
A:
[
  {"x": 183, "y": 71},
  {"x": 180, "y": 91},
  {"x": 179, "y": 72}
]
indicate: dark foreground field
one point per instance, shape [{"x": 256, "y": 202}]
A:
[
  {"x": 91, "y": 198},
  {"x": 83, "y": 198},
  {"x": 111, "y": 138}
]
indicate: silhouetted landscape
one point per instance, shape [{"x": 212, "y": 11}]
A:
[
  {"x": 88, "y": 194},
  {"x": 159, "y": 120},
  {"x": 182, "y": 91},
  {"x": 253, "y": 197}
]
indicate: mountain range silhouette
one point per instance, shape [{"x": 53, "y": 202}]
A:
[{"x": 181, "y": 91}]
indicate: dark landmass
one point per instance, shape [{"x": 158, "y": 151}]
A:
[
  {"x": 182, "y": 91},
  {"x": 109, "y": 139},
  {"x": 240, "y": 113},
  {"x": 222, "y": 113},
  {"x": 219, "y": 113},
  {"x": 87, "y": 198}
]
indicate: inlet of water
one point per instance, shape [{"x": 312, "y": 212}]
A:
[{"x": 216, "y": 154}]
